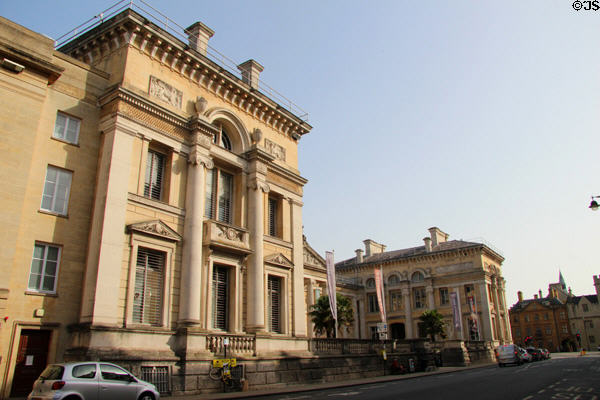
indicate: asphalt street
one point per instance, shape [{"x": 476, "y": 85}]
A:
[{"x": 575, "y": 378}]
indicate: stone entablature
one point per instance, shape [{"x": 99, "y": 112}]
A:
[{"x": 130, "y": 29}]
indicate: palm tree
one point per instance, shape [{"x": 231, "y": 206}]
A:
[
  {"x": 433, "y": 323},
  {"x": 322, "y": 318}
]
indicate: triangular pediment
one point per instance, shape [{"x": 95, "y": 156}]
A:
[
  {"x": 279, "y": 260},
  {"x": 312, "y": 259},
  {"x": 155, "y": 228}
]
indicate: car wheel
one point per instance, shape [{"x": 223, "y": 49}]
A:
[{"x": 146, "y": 396}]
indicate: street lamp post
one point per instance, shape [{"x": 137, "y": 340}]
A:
[{"x": 594, "y": 204}]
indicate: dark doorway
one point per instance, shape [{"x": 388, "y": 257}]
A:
[
  {"x": 31, "y": 360},
  {"x": 398, "y": 331}
]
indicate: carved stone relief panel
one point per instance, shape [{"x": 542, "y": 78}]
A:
[
  {"x": 275, "y": 150},
  {"x": 165, "y": 92}
]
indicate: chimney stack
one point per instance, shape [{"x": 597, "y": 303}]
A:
[
  {"x": 372, "y": 247},
  {"x": 535, "y": 296},
  {"x": 437, "y": 236},
  {"x": 520, "y": 295},
  {"x": 198, "y": 35},
  {"x": 250, "y": 71},
  {"x": 427, "y": 244},
  {"x": 540, "y": 293},
  {"x": 359, "y": 255}
]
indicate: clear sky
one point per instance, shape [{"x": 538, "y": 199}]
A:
[{"x": 478, "y": 117}]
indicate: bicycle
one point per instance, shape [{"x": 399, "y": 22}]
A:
[{"x": 221, "y": 370}]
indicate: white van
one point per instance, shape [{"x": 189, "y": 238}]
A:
[{"x": 509, "y": 354}]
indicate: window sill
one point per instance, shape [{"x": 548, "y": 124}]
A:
[
  {"x": 155, "y": 204},
  {"x": 53, "y": 213},
  {"x": 278, "y": 241},
  {"x": 65, "y": 141},
  {"x": 43, "y": 294}
]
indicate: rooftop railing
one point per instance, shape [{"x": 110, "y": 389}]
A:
[{"x": 170, "y": 26}]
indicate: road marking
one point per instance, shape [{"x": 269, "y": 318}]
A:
[
  {"x": 344, "y": 394},
  {"x": 542, "y": 391},
  {"x": 528, "y": 397}
]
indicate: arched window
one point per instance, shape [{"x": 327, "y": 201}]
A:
[
  {"x": 222, "y": 139},
  {"x": 393, "y": 280},
  {"x": 370, "y": 283},
  {"x": 417, "y": 277}
]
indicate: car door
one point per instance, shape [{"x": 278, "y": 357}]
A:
[
  {"x": 116, "y": 383},
  {"x": 85, "y": 380}
]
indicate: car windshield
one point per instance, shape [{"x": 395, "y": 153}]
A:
[{"x": 52, "y": 372}]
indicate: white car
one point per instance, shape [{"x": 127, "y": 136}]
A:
[
  {"x": 90, "y": 380},
  {"x": 525, "y": 355}
]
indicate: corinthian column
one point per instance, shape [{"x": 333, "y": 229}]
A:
[
  {"x": 191, "y": 269},
  {"x": 256, "y": 282}
]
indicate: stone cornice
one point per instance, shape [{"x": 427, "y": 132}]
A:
[
  {"x": 131, "y": 29},
  {"x": 48, "y": 69},
  {"x": 122, "y": 94}
]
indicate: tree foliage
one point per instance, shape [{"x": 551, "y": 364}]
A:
[
  {"x": 323, "y": 320},
  {"x": 433, "y": 323}
]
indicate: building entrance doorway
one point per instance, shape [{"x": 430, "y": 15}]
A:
[
  {"x": 398, "y": 331},
  {"x": 32, "y": 357}
]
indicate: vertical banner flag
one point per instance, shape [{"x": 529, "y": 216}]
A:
[
  {"x": 474, "y": 317},
  {"x": 331, "y": 283},
  {"x": 455, "y": 311},
  {"x": 380, "y": 292}
]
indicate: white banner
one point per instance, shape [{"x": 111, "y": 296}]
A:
[
  {"x": 331, "y": 283},
  {"x": 380, "y": 292}
]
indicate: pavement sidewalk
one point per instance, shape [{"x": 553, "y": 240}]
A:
[{"x": 286, "y": 388}]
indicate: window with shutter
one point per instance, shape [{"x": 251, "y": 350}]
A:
[
  {"x": 219, "y": 196},
  {"x": 155, "y": 167},
  {"x": 148, "y": 293},
  {"x": 220, "y": 298},
  {"x": 272, "y": 216},
  {"x": 275, "y": 304}
]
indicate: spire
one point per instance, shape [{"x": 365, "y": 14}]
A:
[{"x": 561, "y": 280}]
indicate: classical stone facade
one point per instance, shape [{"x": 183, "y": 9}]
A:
[
  {"x": 584, "y": 317},
  {"x": 152, "y": 206},
  {"x": 427, "y": 277},
  {"x": 543, "y": 322}
]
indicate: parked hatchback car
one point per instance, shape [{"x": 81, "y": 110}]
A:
[
  {"x": 536, "y": 354},
  {"x": 89, "y": 380},
  {"x": 509, "y": 354},
  {"x": 525, "y": 356}
]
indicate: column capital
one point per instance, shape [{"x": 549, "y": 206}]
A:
[
  {"x": 256, "y": 185},
  {"x": 196, "y": 157}
]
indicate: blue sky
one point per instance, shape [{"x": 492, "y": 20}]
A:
[{"x": 478, "y": 117}]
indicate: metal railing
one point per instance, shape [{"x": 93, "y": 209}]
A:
[
  {"x": 158, "y": 376},
  {"x": 164, "y": 22}
]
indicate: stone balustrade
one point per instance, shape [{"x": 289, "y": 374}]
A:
[{"x": 238, "y": 344}]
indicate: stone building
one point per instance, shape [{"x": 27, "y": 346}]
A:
[
  {"x": 543, "y": 322},
  {"x": 427, "y": 277},
  {"x": 584, "y": 317},
  {"x": 152, "y": 206}
]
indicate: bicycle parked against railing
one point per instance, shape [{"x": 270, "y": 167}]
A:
[{"x": 221, "y": 370}]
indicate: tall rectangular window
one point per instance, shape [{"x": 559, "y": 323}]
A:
[
  {"x": 373, "y": 304},
  {"x": 396, "y": 301},
  {"x": 219, "y": 196},
  {"x": 274, "y": 287},
  {"x": 66, "y": 128},
  {"x": 273, "y": 212},
  {"x": 148, "y": 294},
  {"x": 44, "y": 268},
  {"x": 419, "y": 297},
  {"x": 155, "y": 170},
  {"x": 220, "y": 308},
  {"x": 444, "y": 297},
  {"x": 56, "y": 190}
]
